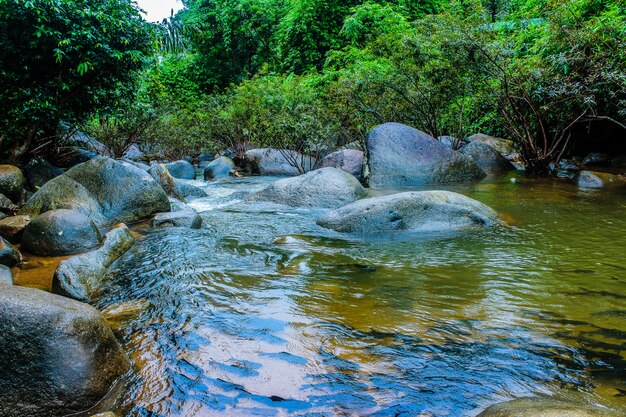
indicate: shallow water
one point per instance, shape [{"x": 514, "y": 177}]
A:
[{"x": 264, "y": 313}]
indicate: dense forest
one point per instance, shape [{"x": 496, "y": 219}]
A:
[{"x": 313, "y": 74}]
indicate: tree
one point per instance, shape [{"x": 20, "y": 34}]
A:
[{"x": 62, "y": 59}]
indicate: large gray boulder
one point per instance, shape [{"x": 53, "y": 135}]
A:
[
  {"x": 505, "y": 147},
  {"x": 39, "y": 171},
  {"x": 325, "y": 188},
  {"x": 79, "y": 277},
  {"x": 411, "y": 211},
  {"x": 183, "y": 218},
  {"x": 12, "y": 227},
  {"x": 59, "y": 356},
  {"x": 181, "y": 170},
  {"x": 105, "y": 190},
  {"x": 487, "y": 157},
  {"x": 399, "y": 155},
  {"x": 219, "y": 168},
  {"x": 12, "y": 182},
  {"x": 349, "y": 160},
  {"x": 9, "y": 255},
  {"x": 60, "y": 232},
  {"x": 278, "y": 162},
  {"x": 546, "y": 407}
]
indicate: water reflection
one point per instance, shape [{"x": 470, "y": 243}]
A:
[{"x": 264, "y": 313}]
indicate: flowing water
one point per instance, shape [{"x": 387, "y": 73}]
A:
[{"x": 264, "y": 313}]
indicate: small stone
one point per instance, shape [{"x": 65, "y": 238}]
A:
[
  {"x": 11, "y": 228},
  {"x": 185, "y": 218}
]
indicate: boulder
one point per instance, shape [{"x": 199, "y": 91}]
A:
[
  {"x": 206, "y": 157},
  {"x": 220, "y": 168},
  {"x": 596, "y": 158},
  {"x": 187, "y": 192},
  {"x": 184, "y": 218},
  {"x": 324, "y": 188},
  {"x": 546, "y": 407},
  {"x": 506, "y": 147},
  {"x": 11, "y": 228},
  {"x": 60, "y": 232},
  {"x": 6, "y": 206},
  {"x": 489, "y": 159},
  {"x": 133, "y": 152},
  {"x": 39, "y": 171},
  {"x": 9, "y": 256},
  {"x": 399, "y": 155},
  {"x": 411, "y": 211},
  {"x": 278, "y": 162},
  {"x": 451, "y": 142},
  {"x": 592, "y": 179},
  {"x": 140, "y": 165},
  {"x": 349, "y": 160},
  {"x": 79, "y": 276},
  {"x": 59, "y": 356},
  {"x": 81, "y": 140},
  {"x": 181, "y": 170},
  {"x": 105, "y": 190},
  {"x": 12, "y": 182},
  {"x": 173, "y": 187},
  {"x": 6, "y": 276}
]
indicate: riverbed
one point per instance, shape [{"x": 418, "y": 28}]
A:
[{"x": 263, "y": 313}]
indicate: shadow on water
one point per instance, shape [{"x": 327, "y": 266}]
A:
[{"x": 264, "y": 313}]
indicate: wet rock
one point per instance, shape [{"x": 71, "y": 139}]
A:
[
  {"x": 206, "y": 157},
  {"x": 2, "y": 216},
  {"x": 6, "y": 206},
  {"x": 12, "y": 182},
  {"x": 186, "y": 218},
  {"x": 220, "y": 168},
  {"x": 9, "y": 256},
  {"x": 6, "y": 276},
  {"x": 39, "y": 171},
  {"x": 11, "y": 227},
  {"x": 349, "y": 160},
  {"x": 411, "y": 211},
  {"x": 504, "y": 146},
  {"x": 324, "y": 188},
  {"x": 178, "y": 205},
  {"x": 59, "y": 356},
  {"x": 596, "y": 158},
  {"x": 181, "y": 170},
  {"x": 278, "y": 162},
  {"x": 591, "y": 179},
  {"x": 545, "y": 407},
  {"x": 489, "y": 159},
  {"x": 187, "y": 192},
  {"x": 60, "y": 232},
  {"x": 80, "y": 276},
  {"x": 173, "y": 187},
  {"x": 399, "y": 155},
  {"x": 105, "y": 190},
  {"x": 117, "y": 314}
]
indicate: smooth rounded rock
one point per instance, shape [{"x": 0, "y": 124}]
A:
[
  {"x": 546, "y": 407},
  {"x": 12, "y": 227},
  {"x": 487, "y": 157},
  {"x": 60, "y": 232},
  {"x": 411, "y": 211},
  {"x": 592, "y": 179},
  {"x": 324, "y": 188},
  {"x": 185, "y": 218},
  {"x": 59, "y": 356},
  {"x": 220, "y": 168},
  {"x": 399, "y": 155},
  {"x": 39, "y": 171},
  {"x": 505, "y": 147},
  {"x": 12, "y": 182},
  {"x": 9, "y": 255},
  {"x": 349, "y": 160},
  {"x": 280, "y": 162},
  {"x": 181, "y": 170}
]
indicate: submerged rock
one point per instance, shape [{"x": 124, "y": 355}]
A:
[
  {"x": 59, "y": 356},
  {"x": 105, "y": 190},
  {"x": 545, "y": 407},
  {"x": 411, "y": 211},
  {"x": 325, "y": 188},
  {"x": 220, "y": 168},
  {"x": 79, "y": 277},
  {"x": 181, "y": 170},
  {"x": 60, "y": 232},
  {"x": 186, "y": 218},
  {"x": 39, "y": 171},
  {"x": 596, "y": 158},
  {"x": 11, "y": 228},
  {"x": 6, "y": 276},
  {"x": 9, "y": 255},
  {"x": 591, "y": 179},
  {"x": 278, "y": 162},
  {"x": 349, "y": 160},
  {"x": 399, "y": 155},
  {"x": 487, "y": 157},
  {"x": 187, "y": 192},
  {"x": 12, "y": 182}
]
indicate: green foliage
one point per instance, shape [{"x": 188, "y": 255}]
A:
[{"x": 60, "y": 60}]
